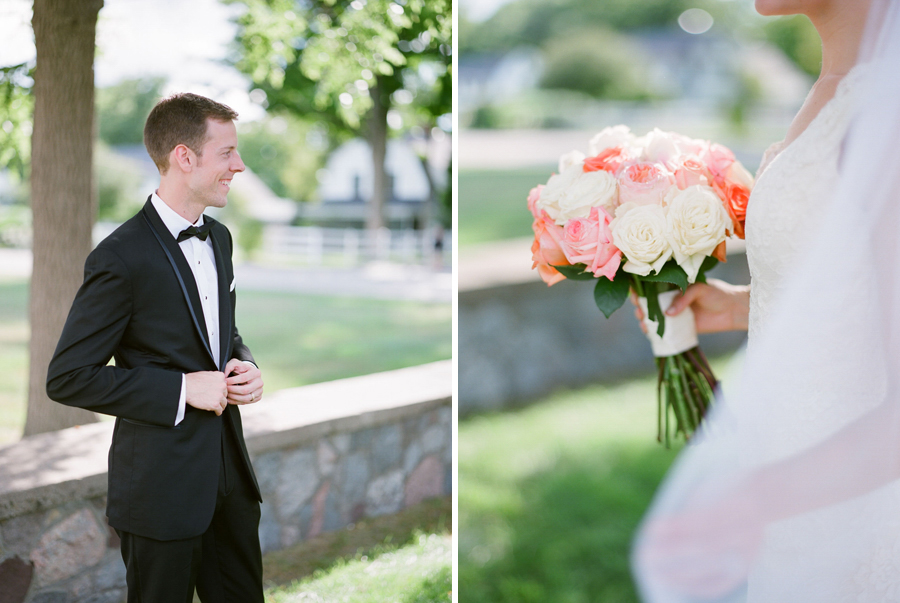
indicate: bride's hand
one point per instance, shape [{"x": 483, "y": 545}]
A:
[{"x": 717, "y": 306}]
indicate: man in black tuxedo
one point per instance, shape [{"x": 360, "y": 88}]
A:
[{"x": 158, "y": 296}]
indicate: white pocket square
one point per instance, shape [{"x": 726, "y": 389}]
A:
[{"x": 232, "y": 286}]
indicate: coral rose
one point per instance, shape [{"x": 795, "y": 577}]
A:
[
  {"x": 734, "y": 198},
  {"x": 546, "y": 251},
  {"x": 589, "y": 241},
  {"x": 610, "y": 160}
]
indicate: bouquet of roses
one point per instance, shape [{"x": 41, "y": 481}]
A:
[{"x": 648, "y": 214}]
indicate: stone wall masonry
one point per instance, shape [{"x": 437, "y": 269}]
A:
[
  {"x": 520, "y": 340},
  {"x": 325, "y": 455}
]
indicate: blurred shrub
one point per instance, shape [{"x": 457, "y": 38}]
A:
[
  {"x": 118, "y": 182},
  {"x": 797, "y": 38},
  {"x": 598, "y": 62},
  {"x": 532, "y": 22}
]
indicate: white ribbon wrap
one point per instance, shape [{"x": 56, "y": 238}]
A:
[{"x": 680, "y": 334}]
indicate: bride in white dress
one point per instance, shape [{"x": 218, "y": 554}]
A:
[{"x": 791, "y": 494}]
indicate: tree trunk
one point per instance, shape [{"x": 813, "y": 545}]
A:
[
  {"x": 61, "y": 198},
  {"x": 381, "y": 192}
]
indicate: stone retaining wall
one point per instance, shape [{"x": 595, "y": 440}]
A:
[
  {"x": 519, "y": 340},
  {"x": 326, "y": 455}
]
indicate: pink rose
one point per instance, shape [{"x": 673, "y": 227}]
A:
[
  {"x": 690, "y": 171},
  {"x": 644, "y": 184},
  {"x": 589, "y": 241},
  {"x": 547, "y": 251},
  {"x": 533, "y": 197},
  {"x": 718, "y": 159}
]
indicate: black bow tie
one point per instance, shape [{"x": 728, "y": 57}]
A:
[{"x": 192, "y": 231}]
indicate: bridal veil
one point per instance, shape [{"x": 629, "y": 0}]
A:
[{"x": 782, "y": 500}]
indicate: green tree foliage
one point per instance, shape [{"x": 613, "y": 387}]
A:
[
  {"x": 16, "y": 111},
  {"x": 797, "y": 38},
  {"x": 284, "y": 152},
  {"x": 321, "y": 58},
  {"x": 122, "y": 110},
  {"x": 342, "y": 63}
]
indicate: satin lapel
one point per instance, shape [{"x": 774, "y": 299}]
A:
[
  {"x": 226, "y": 336},
  {"x": 182, "y": 271}
]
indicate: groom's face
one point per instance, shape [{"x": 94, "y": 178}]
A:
[{"x": 217, "y": 164}]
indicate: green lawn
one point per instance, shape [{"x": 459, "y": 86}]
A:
[
  {"x": 416, "y": 573},
  {"x": 550, "y": 496},
  {"x": 296, "y": 339},
  {"x": 405, "y": 557},
  {"x": 493, "y": 203}
]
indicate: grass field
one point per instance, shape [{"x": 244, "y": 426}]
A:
[
  {"x": 296, "y": 339},
  {"x": 550, "y": 496},
  {"x": 493, "y": 203},
  {"x": 404, "y": 557}
]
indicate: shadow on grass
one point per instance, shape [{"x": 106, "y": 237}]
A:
[{"x": 569, "y": 538}]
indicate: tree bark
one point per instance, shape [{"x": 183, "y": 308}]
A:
[
  {"x": 61, "y": 189},
  {"x": 378, "y": 127}
]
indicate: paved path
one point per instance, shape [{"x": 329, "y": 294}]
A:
[{"x": 377, "y": 280}]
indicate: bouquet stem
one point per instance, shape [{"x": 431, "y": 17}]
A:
[{"x": 685, "y": 389}]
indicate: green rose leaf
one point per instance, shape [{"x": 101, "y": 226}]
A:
[
  {"x": 610, "y": 295},
  {"x": 575, "y": 272},
  {"x": 671, "y": 273}
]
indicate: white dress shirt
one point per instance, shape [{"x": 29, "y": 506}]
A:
[{"x": 200, "y": 257}]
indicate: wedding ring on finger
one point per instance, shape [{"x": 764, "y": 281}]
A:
[{"x": 252, "y": 397}]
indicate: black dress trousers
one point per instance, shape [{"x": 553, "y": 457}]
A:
[{"x": 224, "y": 563}]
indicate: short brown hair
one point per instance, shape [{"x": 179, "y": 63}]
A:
[{"x": 181, "y": 119}]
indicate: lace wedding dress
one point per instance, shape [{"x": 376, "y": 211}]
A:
[{"x": 848, "y": 552}]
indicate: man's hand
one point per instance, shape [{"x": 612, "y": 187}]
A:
[
  {"x": 245, "y": 384},
  {"x": 206, "y": 390}
]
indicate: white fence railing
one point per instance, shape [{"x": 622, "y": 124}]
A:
[{"x": 351, "y": 246}]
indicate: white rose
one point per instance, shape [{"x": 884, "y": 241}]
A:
[
  {"x": 639, "y": 231},
  {"x": 569, "y": 159},
  {"x": 616, "y": 136},
  {"x": 572, "y": 194},
  {"x": 696, "y": 221},
  {"x": 659, "y": 146}
]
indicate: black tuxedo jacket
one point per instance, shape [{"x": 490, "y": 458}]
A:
[{"x": 139, "y": 304}]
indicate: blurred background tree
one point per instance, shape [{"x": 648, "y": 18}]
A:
[{"x": 347, "y": 65}]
